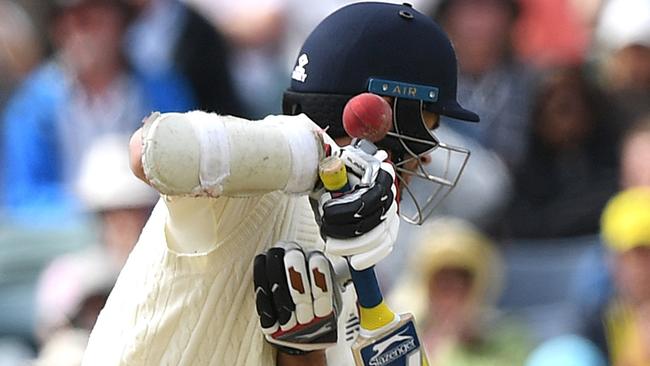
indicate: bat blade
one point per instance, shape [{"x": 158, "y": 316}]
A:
[{"x": 396, "y": 344}]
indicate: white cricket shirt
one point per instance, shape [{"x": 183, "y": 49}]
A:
[{"x": 185, "y": 295}]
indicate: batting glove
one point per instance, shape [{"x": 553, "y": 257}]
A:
[
  {"x": 362, "y": 223},
  {"x": 296, "y": 298}
]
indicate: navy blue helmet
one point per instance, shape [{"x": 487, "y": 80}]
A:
[
  {"x": 386, "y": 49},
  {"x": 362, "y": 43}
]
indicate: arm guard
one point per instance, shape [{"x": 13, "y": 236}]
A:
[{"x": 198, "y": 153}]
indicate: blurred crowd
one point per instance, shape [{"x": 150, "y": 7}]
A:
[{"x": 541, "y": 256}]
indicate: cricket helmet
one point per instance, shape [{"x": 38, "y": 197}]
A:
[{"x": 390, "y": 50}]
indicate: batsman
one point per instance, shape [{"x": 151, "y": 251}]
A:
[{"x": 245, "y": 235}]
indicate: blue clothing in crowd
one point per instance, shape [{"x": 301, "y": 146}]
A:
[{"x": 50, "y": 121}]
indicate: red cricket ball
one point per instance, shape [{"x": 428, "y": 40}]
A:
[{"x": 367, "y": 116}]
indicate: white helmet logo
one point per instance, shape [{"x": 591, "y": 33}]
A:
[{"x": 299, "y": 71}]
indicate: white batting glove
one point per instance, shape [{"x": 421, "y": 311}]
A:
[
  {"x": 296, "y": 298},
  {"x": 362, "y": 222}
]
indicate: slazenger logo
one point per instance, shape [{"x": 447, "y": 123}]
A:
[
  {"x": 299, "y": 71},
  {"x": 383, "y": 357}
]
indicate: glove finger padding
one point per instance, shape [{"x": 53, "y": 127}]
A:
[
  {"x": 367, "y": 250},
  {"x": 381, "y": 249},
  {"x": 321, "y": 283},
  {"x": 351, "y": 246},
  {"x": 263, "y": 296},
  {"x": 299, "y": 286},
  {"x": 300, "y": 313},
  {"x": 359, "y": 211},
  {"x": 284, "y": 306}
]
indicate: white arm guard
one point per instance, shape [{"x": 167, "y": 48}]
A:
[{"x": 199, "y": 153}]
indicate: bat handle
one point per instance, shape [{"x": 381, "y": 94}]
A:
[{"x": 373, "y": 311}]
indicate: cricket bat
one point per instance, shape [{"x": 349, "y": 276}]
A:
[{"x": 385, "y": 338}]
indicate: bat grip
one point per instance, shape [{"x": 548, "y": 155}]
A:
[
  {"x": 374, "y": 313},
  {"x": 368, "y": 291}
]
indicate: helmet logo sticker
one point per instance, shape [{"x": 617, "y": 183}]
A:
[{"x": 299, "y": 73}]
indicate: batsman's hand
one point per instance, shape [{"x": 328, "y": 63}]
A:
[
  {"x": 362, "y": 222},
  {"x": 296, "y": 298}
]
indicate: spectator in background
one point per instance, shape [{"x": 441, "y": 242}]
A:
[
  {"x": 20, "y": 47},
  {"x": 75, "y": 286},
  {"x": 84, "y": 91},
  {"x": 566, "y": 350},
  {"x": 170, "y": 37},
  {"x": 491, "y": 80},
  {"x": 570, "y": 169},
  {"x": 255, "y": 30},
  {"x": 626, "y": 232},
  {"x": 552, "y": 33},
  {"x": 635, "y": 155},
  {"x": 593, "y": 287},
  {"x": 451, "y": 284},
  {"x": 20, "y": 52},
  {"x": 623, "y": 48}
]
